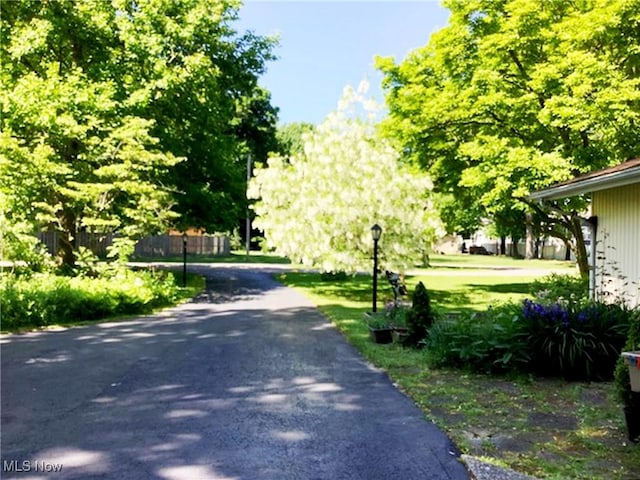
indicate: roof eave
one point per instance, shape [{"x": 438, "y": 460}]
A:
[{"x": 589, "y": 185}]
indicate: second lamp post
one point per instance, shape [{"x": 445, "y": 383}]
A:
[
  {"x": 184, "y": 259},
  {"x": 376, "y": 231}
]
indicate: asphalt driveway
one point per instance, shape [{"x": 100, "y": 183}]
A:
[{"x": 248, "y": 381}]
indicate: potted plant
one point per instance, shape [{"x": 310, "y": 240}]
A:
[
  {"x": 379, "y": 327},
  {"x": 629, "y": 398},
  {"x": 396, "y": 313}
]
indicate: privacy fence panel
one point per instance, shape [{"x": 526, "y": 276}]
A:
[{"x": 152, "y": 246}]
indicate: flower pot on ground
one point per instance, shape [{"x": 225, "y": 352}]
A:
[
  {"x": 632, "y": 419},
  {"x": 400, "y": 335},
  {"x": 396, "y": 313},
  {"x": 381, "y": 335},
  {"x": 632, "y": 359},
  {"x": 379, "y": 328},
  {"x": 630, "y": 398}
]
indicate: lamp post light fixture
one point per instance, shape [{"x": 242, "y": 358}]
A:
[
  {"x": 184, "y": 259},
  {"x": 376, "y": 231}
]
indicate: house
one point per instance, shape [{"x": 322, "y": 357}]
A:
[{"x": 615, "y": 246}]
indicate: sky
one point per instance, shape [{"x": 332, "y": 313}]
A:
[{"x": 326, "y": 45}]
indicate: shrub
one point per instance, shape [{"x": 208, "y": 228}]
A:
[
  {"x": 487, "y": 342},
  {"x": 579, "y": 343},
  {"x": 419, "y": 317},
  {"x": 46, "y": 299},
  {"x": 564, "y": 288},
  {"x": 550, "y": 340}
]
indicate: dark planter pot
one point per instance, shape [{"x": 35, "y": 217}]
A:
[
  {"x": 632, "y": 417},
  {"x": 400, "y": 334},
  {"x": 381, "y": 335}
]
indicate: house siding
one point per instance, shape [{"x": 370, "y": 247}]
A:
[{"x": 618, "y": 243}]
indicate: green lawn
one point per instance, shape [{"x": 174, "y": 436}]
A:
[
  {"x": 477, "y": 261},
  {"x": 544, "y": 427},
  {"x": 462, "y": 285},
  {"x": 472, "y": 291}
]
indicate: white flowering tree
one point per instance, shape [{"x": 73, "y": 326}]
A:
[{"x": 317, "y": 208}]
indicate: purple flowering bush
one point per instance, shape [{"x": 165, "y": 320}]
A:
[
  {"x": 577, "y": 340},
  {"x": 558, "y": 333}
]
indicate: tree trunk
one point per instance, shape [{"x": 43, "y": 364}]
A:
[
  {"x": 581, "y": 249},
  {"x": 529, "y": 240},
  {"x": 514, "y": 247},
  {"x": 503, "y": 245},
  {"x": 571, "y": 226},
  {"x": 67, "y": 235}
]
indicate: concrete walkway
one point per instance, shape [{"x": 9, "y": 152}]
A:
[{"x": 248, "y": 382}]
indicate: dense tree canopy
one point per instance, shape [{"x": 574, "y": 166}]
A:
[
  {"x": 317, "y": 207},
  {"x": 515, "y": 95},
  {"x": 128, "y": 116},
  {"x": 290, "y": 138}
]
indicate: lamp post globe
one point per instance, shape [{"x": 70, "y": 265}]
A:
[{"x": 376, "y": 231}]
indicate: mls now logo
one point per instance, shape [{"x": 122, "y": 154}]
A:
[{"x": 29, "y": 466}]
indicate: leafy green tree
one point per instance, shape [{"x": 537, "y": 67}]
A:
[
  {"x": 460, "y": 214},
  {"x": 318, "y": 207},
  {"x": 128, "y": 116},
  {"x": 71, "y": 158},
  {"x": 515, "y": 95},
  {"x": 290, "y": 138}
]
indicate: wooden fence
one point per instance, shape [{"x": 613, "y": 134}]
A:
[
  {"x": 152, "y": 246},
  {"x": 171, "y": 245},
  {"x": 97, "y": 243}
]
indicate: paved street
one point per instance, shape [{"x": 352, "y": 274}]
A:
[{"x": 247, "y": 381}]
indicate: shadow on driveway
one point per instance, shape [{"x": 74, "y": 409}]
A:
[{"x": 246, "y": 382}]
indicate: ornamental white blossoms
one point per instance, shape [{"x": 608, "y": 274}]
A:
[{"x": 318, "y": 208}]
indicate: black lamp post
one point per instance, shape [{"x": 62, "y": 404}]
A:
[
  {"x": 184, "y": 259},
  {"x": 376, "y": 231}
]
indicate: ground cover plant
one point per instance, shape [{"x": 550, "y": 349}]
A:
[
  {"x": 43, "y": 299},
  {"x": 547, "y": 427}
]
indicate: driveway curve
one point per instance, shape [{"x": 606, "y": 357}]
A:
[{"x": 248, "y": 381}]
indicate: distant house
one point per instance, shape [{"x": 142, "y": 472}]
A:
[{"x": 615, "y": 206}]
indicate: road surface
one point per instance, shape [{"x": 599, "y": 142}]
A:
[{"x": 248, "y": 381}]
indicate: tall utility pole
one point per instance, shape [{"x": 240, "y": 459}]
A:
[{"x": 248, "y": 224}]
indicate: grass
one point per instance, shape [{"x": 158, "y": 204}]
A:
[
  {"x": 479, "y": 261},
  {"x": 544, "y": 427},
  {"x": 449, "y": 292},
  {"x": 471, "y": 291}
]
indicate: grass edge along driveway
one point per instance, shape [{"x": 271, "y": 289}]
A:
[{"x": 548, "y": 428}]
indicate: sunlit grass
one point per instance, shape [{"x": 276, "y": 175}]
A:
[
  {"x": 448, "y": 291},
  {"x": 478, "y": 261}
]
